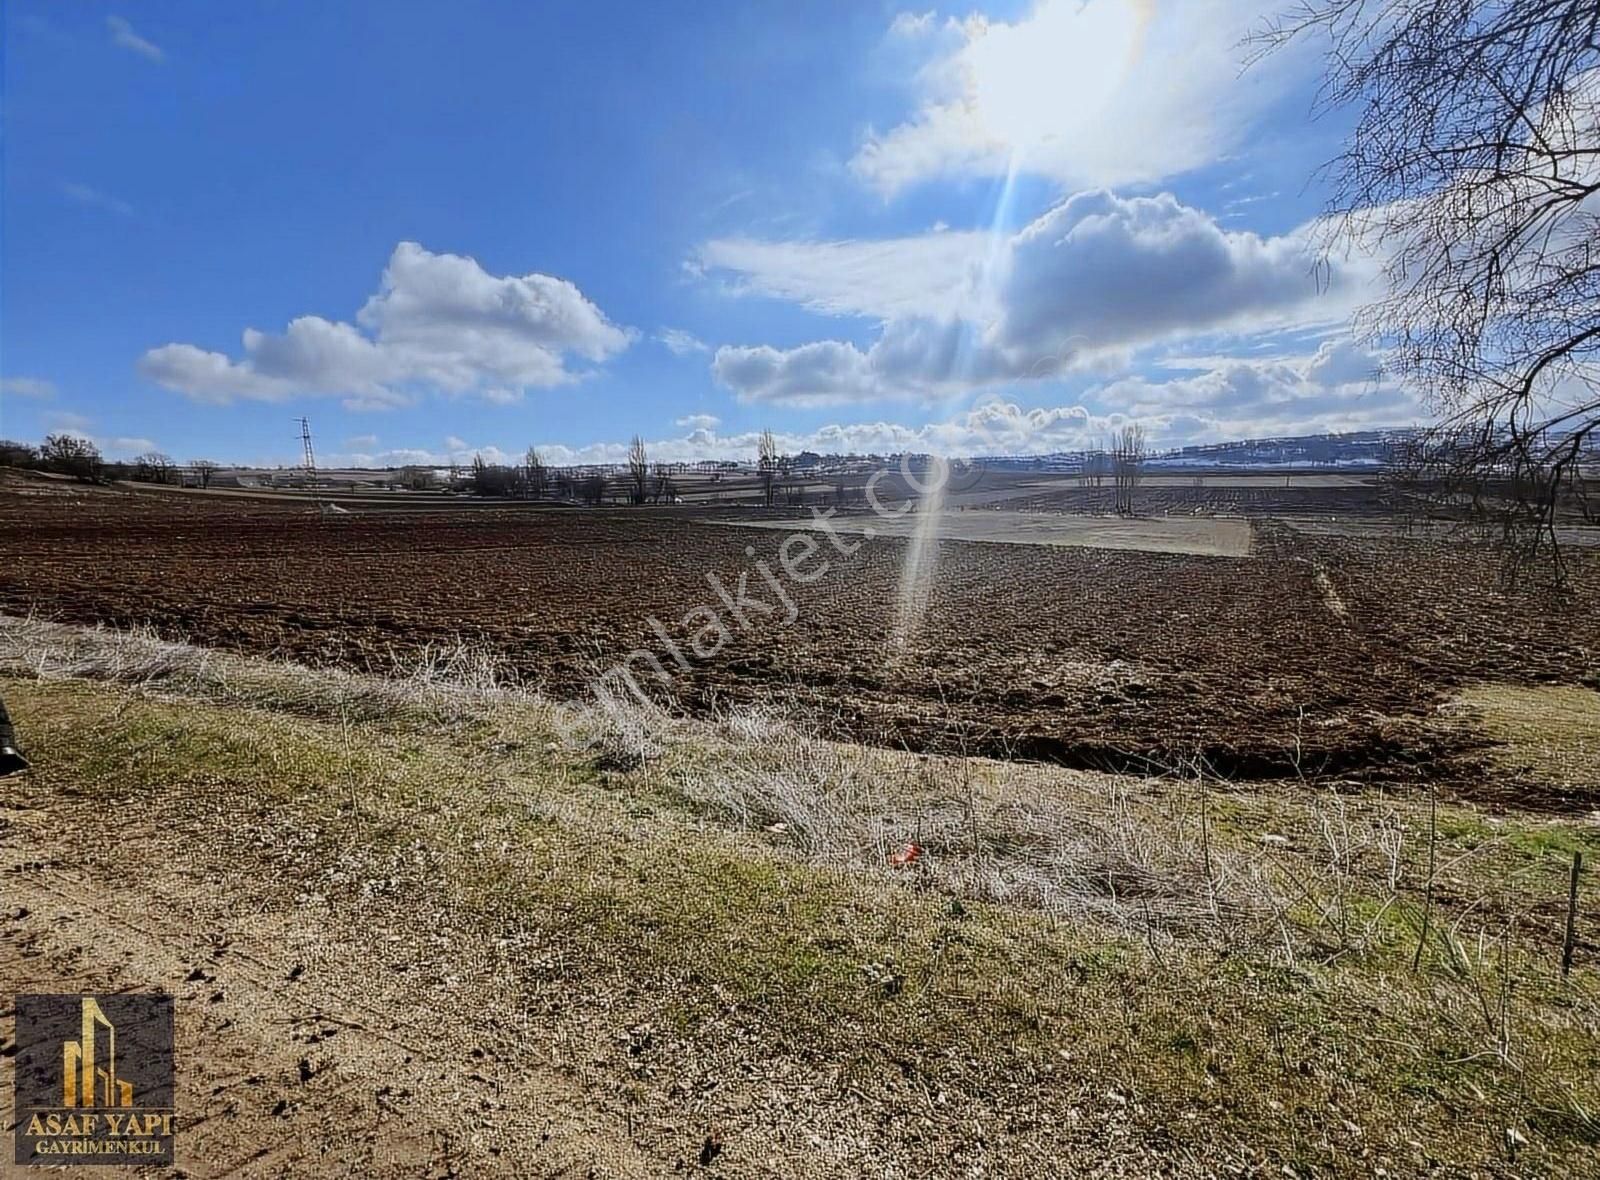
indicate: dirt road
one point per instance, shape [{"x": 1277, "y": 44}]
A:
[{"x": 299, "y": 1054}]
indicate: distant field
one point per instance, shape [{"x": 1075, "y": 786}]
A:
[
  {"x": 1323, "y": 655},
  {"x": 1577, "y": 535},
  {"x": 1197, "y": 535}
]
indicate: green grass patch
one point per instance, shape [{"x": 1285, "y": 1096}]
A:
[{"x": 1333, "y": 1065}]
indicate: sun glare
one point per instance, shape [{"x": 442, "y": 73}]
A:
[{"x": 1077, "y": 55}]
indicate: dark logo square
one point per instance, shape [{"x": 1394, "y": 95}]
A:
[{"x": 94, "y": 1080}]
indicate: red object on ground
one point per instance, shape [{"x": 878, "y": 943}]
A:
[{"x": 909, "y": 855}]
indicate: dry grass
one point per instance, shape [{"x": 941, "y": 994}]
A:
[
  {"x": 1178, "y": 856},
  {"x": 1235, "y": 965},
  {"x": 980, "y": 831},
  {"x": 446, "y": 683},
  {"x": 1552, "y": 731}
]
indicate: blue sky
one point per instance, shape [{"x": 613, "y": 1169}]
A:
[{"x": 444, "y": 228}]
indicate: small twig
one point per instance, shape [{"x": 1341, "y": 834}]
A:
[
  {"x": 1572, "y": 915},
  {"x": 1427, "y": 908}
]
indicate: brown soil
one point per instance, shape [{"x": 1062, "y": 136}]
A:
[{"x": 1086, "y": 657}]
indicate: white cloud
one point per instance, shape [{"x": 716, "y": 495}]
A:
[
  {"x": 35, "y": 388},
  {"x": 923, "y": 275},
  {"x": 1341, "y": 361},
  {"x": 1332, "y": 389},
  {"x": 122, "y": 447},
  {"x": 67, "y": 421},
  {"x": 820, "y": 373},
  {"x": 913, "y": 24},
  {"x": 1337, "y": 388},
  {"x": 95, "y": 199},
  {"x": 681, "y": 343},
  {"x": 122, "y": 35},
  {"x": 1101, "y": 270},
  {"x": 362, "y": 451},
  {"x": 438, "y": 321},
  {"x": 1108, "y": 93},
  {"x": 1094, "y": 278},
  {"x": 112, "y": 447}
]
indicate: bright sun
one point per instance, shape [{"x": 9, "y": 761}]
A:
[{"x": 1053, "y": 76}]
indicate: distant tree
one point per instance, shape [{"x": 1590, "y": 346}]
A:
[
  {"x": 1472, "y": 166},
  {"x": 535, "y": 472},
  {"x": 494, "y": 479},
  {"x": 1095, "y": 462},
  {"x": 417, "y": 479},
  {"x": 204, "y": 469},
  {"x": 638, "y": 470},
  {"x": 593, "y": 488},
  {"x": 70, "y": 454},
  {"x": 1127, "y": 463},
  {"x": 16, "y": 454},
  {"x": 665, "y": 489},
  {"x": 153, "y": 467},
  {"x": 767, "y": 461}
]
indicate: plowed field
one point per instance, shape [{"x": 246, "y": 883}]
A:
[{"x": 1325, "y": 655}]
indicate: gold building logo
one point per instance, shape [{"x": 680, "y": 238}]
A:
[
  {"x": 94, "y": 1079},
  {"x": 79, "y": 1074}
]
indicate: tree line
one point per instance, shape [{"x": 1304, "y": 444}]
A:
[
  {"x": 80, "y": 458},
  {"x": 640, "y": 482}
]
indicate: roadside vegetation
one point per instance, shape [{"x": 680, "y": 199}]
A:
[{"x": 787, "y": 949}]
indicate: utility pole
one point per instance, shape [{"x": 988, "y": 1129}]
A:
[{"x": 310, "y": 455}]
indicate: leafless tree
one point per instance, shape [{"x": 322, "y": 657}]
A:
[
  {"x": 153, "y": 467},
  {"x": 1093, "y": 473},
  {"x": 482, "y": 479},
  {"x": 535, "y": 472},
  {"x": 665, "y": 489},
  {"x": 417, "y": 479},
  {"x": 203, "y": 469},
  {"x": 638, "y": 470},
  {"x": 71, "y": 455},
  {"x": 1471, "y": 171},
  {"x": 767, "y": 462},
  {"x": 17, "y": 454},
  {"x": 1127, "y": 464}
]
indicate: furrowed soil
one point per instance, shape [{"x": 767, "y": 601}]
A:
[{"x": 1316, "y": 655}]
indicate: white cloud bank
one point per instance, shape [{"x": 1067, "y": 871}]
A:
[
  {"x": 918, "y": 275},
  {"x": 114, "y": 447},
  {"x": 1097, "y": 276},
  {"x": 438, "y": 321},
  {"x": 680, "y": 342},
  {"x": 1113, "y": 92},
  {"x": 1338, "y": 387},
  {"x": 93, "y": 198},
  {"x": 123, "y": 36},
  {"x": 36, "y": 388}
]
